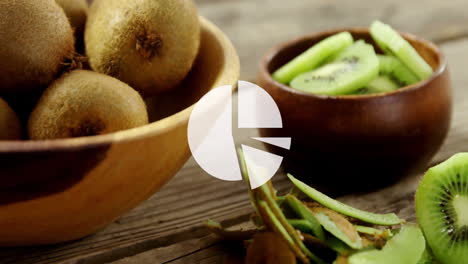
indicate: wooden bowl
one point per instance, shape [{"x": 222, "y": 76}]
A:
[
  {"x": 59, "y": 190},
  {"x": 345, "y": 144}
]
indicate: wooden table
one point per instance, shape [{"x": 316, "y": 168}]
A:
[{"x": 168, "y": 228}]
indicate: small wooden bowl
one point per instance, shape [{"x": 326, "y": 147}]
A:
[
  {"x": 59, "y": 190},
  {"x": 345, "y": 144}
]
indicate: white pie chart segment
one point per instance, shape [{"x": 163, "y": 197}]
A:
[
  {"x": 210, "y": 135},
  {"x": 256, "y": 108},
  {"x": 281, "y": 142},
  {"x": 261, "y": 165}
]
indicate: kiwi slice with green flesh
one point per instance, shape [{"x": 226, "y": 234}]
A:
[
  {"x": 86, "y": 103},
  {"x": 313, "y": 57},
  {"x": 304, "y": 212},
  {"x": 391, "y": 42},
  {"x": 10, "y": 126},
  {"x": 406, "y": 247},
  {"x": 349, "y": 71},
  {"x": 397, "y": 70},
  {"x": 368, "y": 217},
  {"x": 381, "y": 84},
  {"x": 442, "y": 209},
  {"x": 338, "y": 226}
]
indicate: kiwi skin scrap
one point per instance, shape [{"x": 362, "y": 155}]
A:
[
  {"x": 36, "y": 39},
  {"x": 150, "y": 45},
  {"x": 86, "y": 103},
  {"x": 77, "y": 13},
  {"x": 10, "y": 126}
]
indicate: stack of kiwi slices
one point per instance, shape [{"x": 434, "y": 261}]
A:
[
  {"x": 70, "y": 70},
  {"x": 338, "y": 65},
  {"x": 306, "y": 226}
]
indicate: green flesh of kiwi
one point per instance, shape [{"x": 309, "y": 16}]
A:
[
  {"x": 382, "y": 84},
  {"x": 346, "y": 73},
  {"x": 378, "y": 219},
  {"x": 395, "y": 69},
  {"x": 406, "y": 247},
  {"x": 392, "y": 43},
  {"x": 442, "y": 209},
  {"x": 313, "y": 57}
]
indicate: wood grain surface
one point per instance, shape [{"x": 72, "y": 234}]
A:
[{"x": 168, "y": 228}]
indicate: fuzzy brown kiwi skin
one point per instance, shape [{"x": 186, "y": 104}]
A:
[
  {"x": 10, "y": 126},
  {"x": 77, "y": 13},
  {"x": 151, "y": 45},
  {"x": 86, "y": 103},
  {"x": 36, "y": 39}
]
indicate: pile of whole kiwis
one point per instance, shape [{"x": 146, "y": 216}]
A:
[{"x": 69, "y": 70}]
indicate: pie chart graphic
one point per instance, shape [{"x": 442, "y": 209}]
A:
[{"x": 211, "y": 139}]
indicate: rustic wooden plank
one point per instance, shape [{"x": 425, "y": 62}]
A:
[{"x": 175, "y": 214}]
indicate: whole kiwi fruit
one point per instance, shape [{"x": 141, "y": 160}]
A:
[
  {"x": 86, "y": 103},
  {"x": 36, "y": 39},
  {"x": 150, "y": 45},
  {"x": 77, "y": 12},
  {"x": 10, "y": 127}
]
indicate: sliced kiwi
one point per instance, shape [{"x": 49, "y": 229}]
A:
[
  {"x": 150, "y": 45},
  {"x": 313, "y": 57},
  {"x": 349, "y": 71},
  {"x": 391, "y": 42},
  {"x": 381, "y": 84},
  {"x": 10, "y": 126},
  {"x": 85, "y": 103},
  {"x": 442, "y": 209},
  {"x": 36, "y": 39},
  {"x": 406, "y": 247},
  {"x": 378, "y": 219},
  {"x": 338, "y": 226},
  {"x": 394, "y": 68}
]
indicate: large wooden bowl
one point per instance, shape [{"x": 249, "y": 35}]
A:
[
  {"x": 59, "y": 190},
  {"x": 346, "y": 144}
]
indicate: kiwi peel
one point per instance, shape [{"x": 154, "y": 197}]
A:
[
  {"x": 378, "y": 219},
  {"x": 441, "y": 208},
  {"x": 85, "y": 103},
  {"x": 305, "y": 213},
  {"x": 317, "y": 230}
]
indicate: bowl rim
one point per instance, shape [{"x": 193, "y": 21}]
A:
[
  {"x": 273, "y": 52},
  {"x": 229, "y": 75}
]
